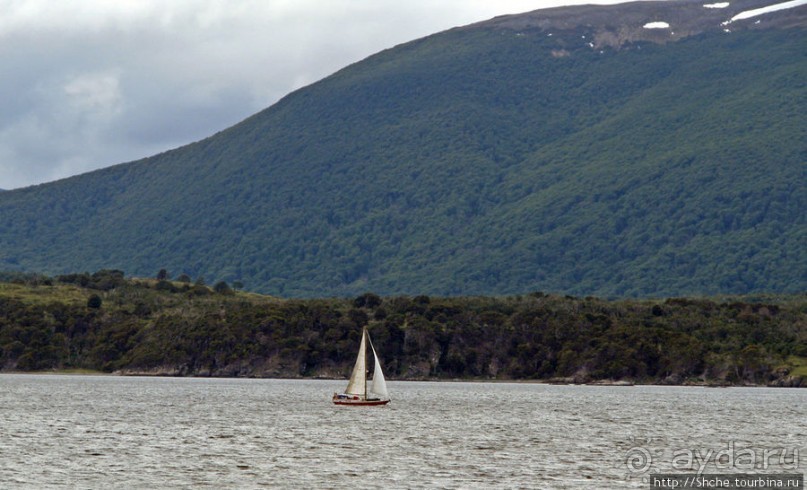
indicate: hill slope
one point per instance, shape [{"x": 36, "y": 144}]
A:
[{"x": 566, "y": 150}]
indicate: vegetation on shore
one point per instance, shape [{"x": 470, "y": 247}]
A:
[{"x": 106, "y": 322}]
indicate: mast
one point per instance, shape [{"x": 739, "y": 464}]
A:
[{"x": 363, "y": 339}]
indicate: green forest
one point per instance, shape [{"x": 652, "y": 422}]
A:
[
  {"x": 478, "y": 161},
  {"x": 110, "y": 323}
]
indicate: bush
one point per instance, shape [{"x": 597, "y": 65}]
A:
[
  {"x": 94, "y": 302},
  {"x": 221, "y": 287}
]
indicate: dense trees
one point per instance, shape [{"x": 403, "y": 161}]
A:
[{"x": 175, "y": 328}]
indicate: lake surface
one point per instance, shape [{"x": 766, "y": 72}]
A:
[{"x": 122, "y": 432}]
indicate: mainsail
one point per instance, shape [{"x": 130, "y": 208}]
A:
[
  {"x": 358, "y": 380},
  {"x": 379, "y": 383}
]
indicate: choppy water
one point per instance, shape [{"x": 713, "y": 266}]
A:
[{"x": 118, "y": 432}]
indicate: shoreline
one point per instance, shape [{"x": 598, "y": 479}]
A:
[
  {"x": 71, "y": 372},
  {"x": 555, "y": 381}
]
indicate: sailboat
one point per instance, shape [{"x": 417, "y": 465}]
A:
[{"x": 358, "y": 393}]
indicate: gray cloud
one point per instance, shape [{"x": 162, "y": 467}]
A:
[{"x": 90, "y": 84}]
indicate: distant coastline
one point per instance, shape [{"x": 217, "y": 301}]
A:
[
  {"x": 796, "y": 382},
  {"x": 107, "y": 323}
]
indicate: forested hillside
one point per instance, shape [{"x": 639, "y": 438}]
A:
[
  {"x": 105, "y": 322},
  {"x": 499, "y": 158}
]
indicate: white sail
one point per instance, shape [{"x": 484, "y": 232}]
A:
[
  {"x": 358, "y": 380},
  {"x": 379, "y": 387},
  {"x": 379, "y": 383}
]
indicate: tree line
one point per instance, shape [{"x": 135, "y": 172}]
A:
[{"x": 107, "y": 322}]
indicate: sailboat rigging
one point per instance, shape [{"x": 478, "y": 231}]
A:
[{"x": 357, "y": 392}]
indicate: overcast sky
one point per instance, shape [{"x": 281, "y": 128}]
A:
[{"x": 87, "y": 84}]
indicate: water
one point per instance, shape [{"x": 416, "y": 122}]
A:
[{"x": 118, "y": 432}]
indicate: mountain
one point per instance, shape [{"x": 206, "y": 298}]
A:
[{"x": 642, "y": 149}]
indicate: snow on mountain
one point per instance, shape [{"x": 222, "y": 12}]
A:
[{"x": 765, "y": 10}]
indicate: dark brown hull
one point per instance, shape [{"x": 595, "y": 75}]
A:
[{"x": 359, "y": 403}]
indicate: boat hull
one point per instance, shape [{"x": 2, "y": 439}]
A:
[{"x": 359, "y": 402}]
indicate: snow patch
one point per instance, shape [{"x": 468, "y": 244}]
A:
[
  {"x": 770, "y": 8},
  {"x": 720, "y": 5},
  {"x": 664, "y": 25}
]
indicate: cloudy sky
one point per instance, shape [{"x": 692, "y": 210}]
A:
[{"x": 90, "y": 83}]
